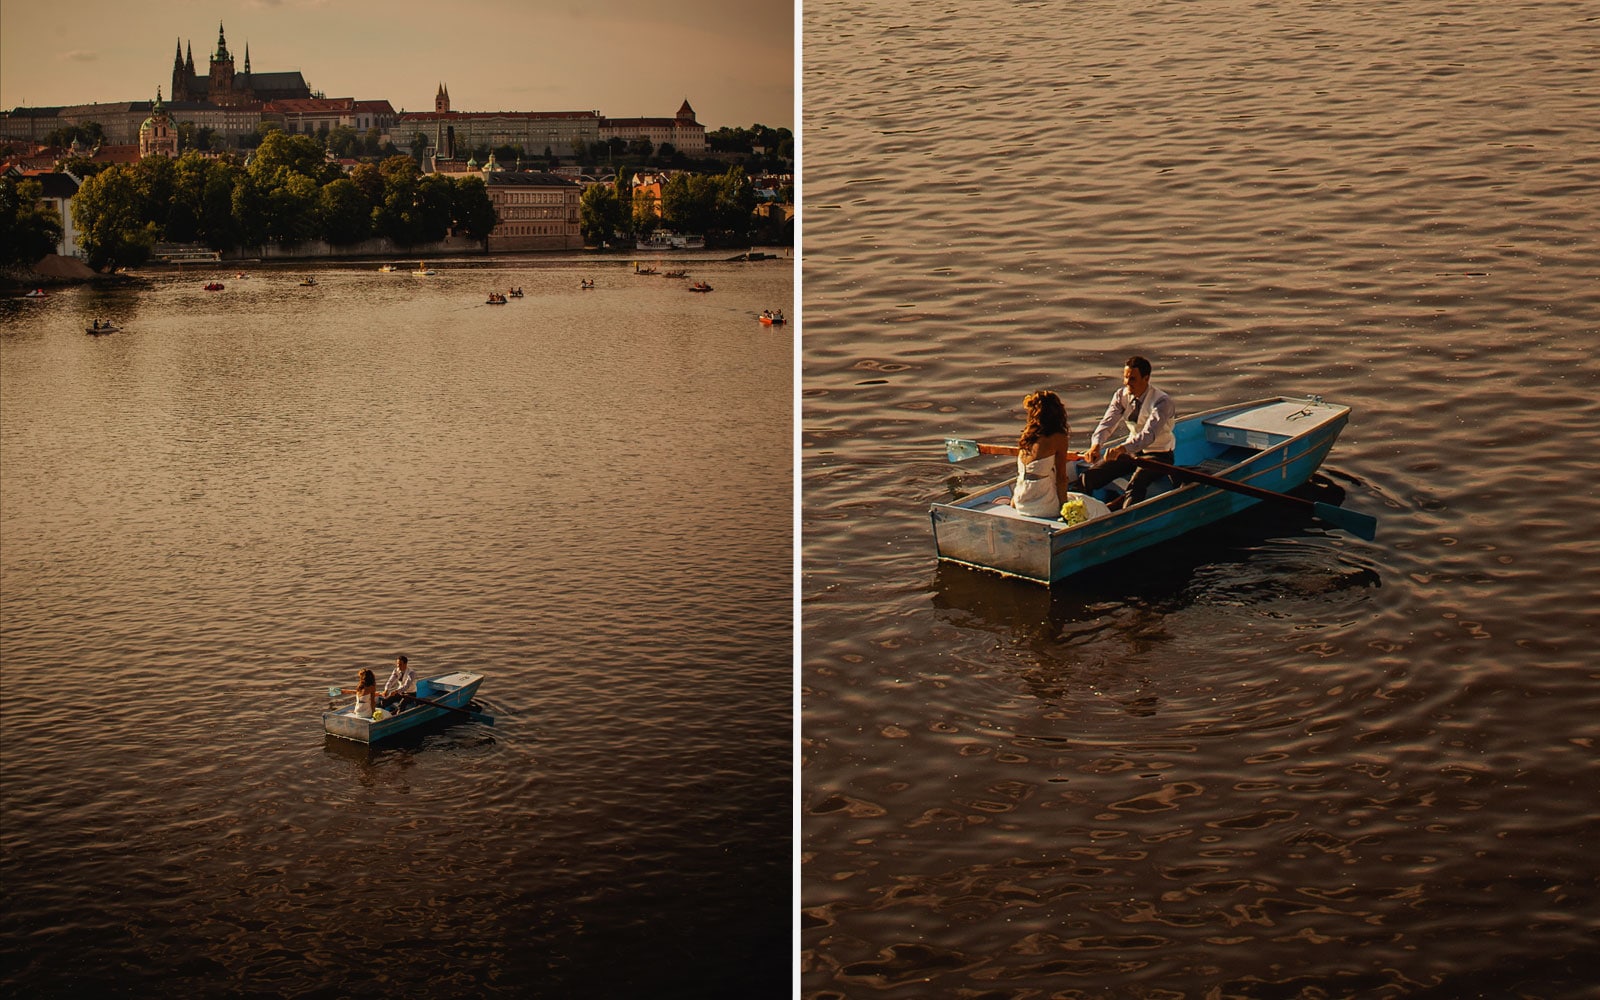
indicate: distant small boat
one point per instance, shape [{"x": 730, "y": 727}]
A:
[
  {"x": 676, "y": 274},
  {"x": 241, "y": 276},
  {"x": 515, "y": 293},
  {"x": 309, "y": 283},
  {"x": 586, "y": 283},
  {"x": 37, "y": 293},
  {"x": 699, "y": 286},
  {"x": 387, "y": 269},
  {"x": 213, "y": 286},
  {"x": 446, "y": 692},
  {"x": 770, "y": 319},
  {"x": 644, "y": 270},
  {"x": 423, "y": 270},
  {"x": 97, "y": 330},
  {"x": 496, "y": 300}
]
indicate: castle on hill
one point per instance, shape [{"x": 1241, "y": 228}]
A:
[{"x": 224, "y": 87}]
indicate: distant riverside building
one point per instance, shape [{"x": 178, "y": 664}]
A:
[
  {"x": 448, "y": 131},
  {"x": 536, "y": 210},
  {"x": 684, "y": 133},
  {"x": 223, "y": 87},
  {"x": 57, "y": 189},
  {"x": 310, "y": 115}
]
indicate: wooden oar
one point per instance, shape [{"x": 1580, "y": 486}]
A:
[
  {"x": 487, "y": 720},
  {"x": 1358, "y": 524},
  {"x": 961, "y": 449}
]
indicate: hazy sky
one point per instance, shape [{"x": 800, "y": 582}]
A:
[{"x": 732, "y": 59}]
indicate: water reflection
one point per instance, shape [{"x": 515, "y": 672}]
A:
[{"x": 1257, "y": 557}]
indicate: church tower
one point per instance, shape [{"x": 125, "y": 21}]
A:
[
  {"x": 157, "y": 137},
  {"x": 441, "y": 101},
  {"x": 222, "y": 72},
  {"x": 180, "y": 80}
]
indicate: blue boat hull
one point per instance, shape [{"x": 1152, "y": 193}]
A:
[
  {"x": 453, "y": 689},
  {"x": 1274, "y": 443}
]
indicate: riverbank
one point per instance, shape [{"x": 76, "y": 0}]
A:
[{"x": 54, "y": 271}]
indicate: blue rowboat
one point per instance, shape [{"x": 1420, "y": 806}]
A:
[
  {"x": 454, "y": 690},
  {"x": 1273, "y": 444}
]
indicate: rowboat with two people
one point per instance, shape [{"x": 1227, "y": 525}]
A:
[
  {"x": 444, "y": 695},
  {"x": 699, "y": 286},
  {"x": 213, "y": 286},
  {"x": 423, "y": 270},
  {"x": 1226, "y": 460},
  {"x": 99, "y": 328},
  {"x": 770, "y": 318}
]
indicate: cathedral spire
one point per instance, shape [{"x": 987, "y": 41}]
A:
[
  {"x": 222, "y": 43},
  {"x": 247, "y": 57}
]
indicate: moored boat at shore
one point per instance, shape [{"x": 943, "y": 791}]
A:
[
  {"x": 443, "y": 695},
  {"x": 1272, "y": 444},
  {"x": 663, "y": 239}
]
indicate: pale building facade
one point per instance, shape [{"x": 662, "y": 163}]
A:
[
  {"x": 308, "y": 116},
  {"x": 448, "y": 131},
  {"x": 536, "y": 210},
  {"x": 685, "y": 134}
]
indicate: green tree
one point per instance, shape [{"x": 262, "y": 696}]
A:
[
  {"x": 88, "y": 134},
  {"x": 28, "y": 230},
  {"x": 281, "y": 154},
  {"x": 113, "y": 227},
  {"x": 249, "y": 209},
  {"x": 735, "y": 204},
  {"x": 474, "y": 213},
  {"x": 689, "y": 203},
  {"x": 419, "y": 146},
  {"x": 291, "y": 210},
  {"x": 601, "y": 215},
  {"x": 344, "y": 215},
  {"x": 218, "y": 227},
  {"x": 344, "y": 141},
  {"x": 435, "y": 208},
  {"x": 396, "y": 216}
]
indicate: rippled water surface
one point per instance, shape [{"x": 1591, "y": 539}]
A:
[
  {"x": 244, "y": 497},
  {"x": 1272, "y": 760}
]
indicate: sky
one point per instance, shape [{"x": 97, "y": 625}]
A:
[{"x": 733, "y": 60}]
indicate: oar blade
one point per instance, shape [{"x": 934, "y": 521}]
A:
[
  {"x": 1363, "y": 526},
  {"x": 960, "y": 449}
]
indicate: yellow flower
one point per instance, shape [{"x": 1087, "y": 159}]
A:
[{"x": 1074, "y": 512}]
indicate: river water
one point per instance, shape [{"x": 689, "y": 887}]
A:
[
  {"x": 1273, "y": 760},
  {"x": 245, "y": 496}
]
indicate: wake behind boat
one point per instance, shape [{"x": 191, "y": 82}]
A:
[
  {"x": 436, "y": 697},
  {"x": 1264, "y": 448}
]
